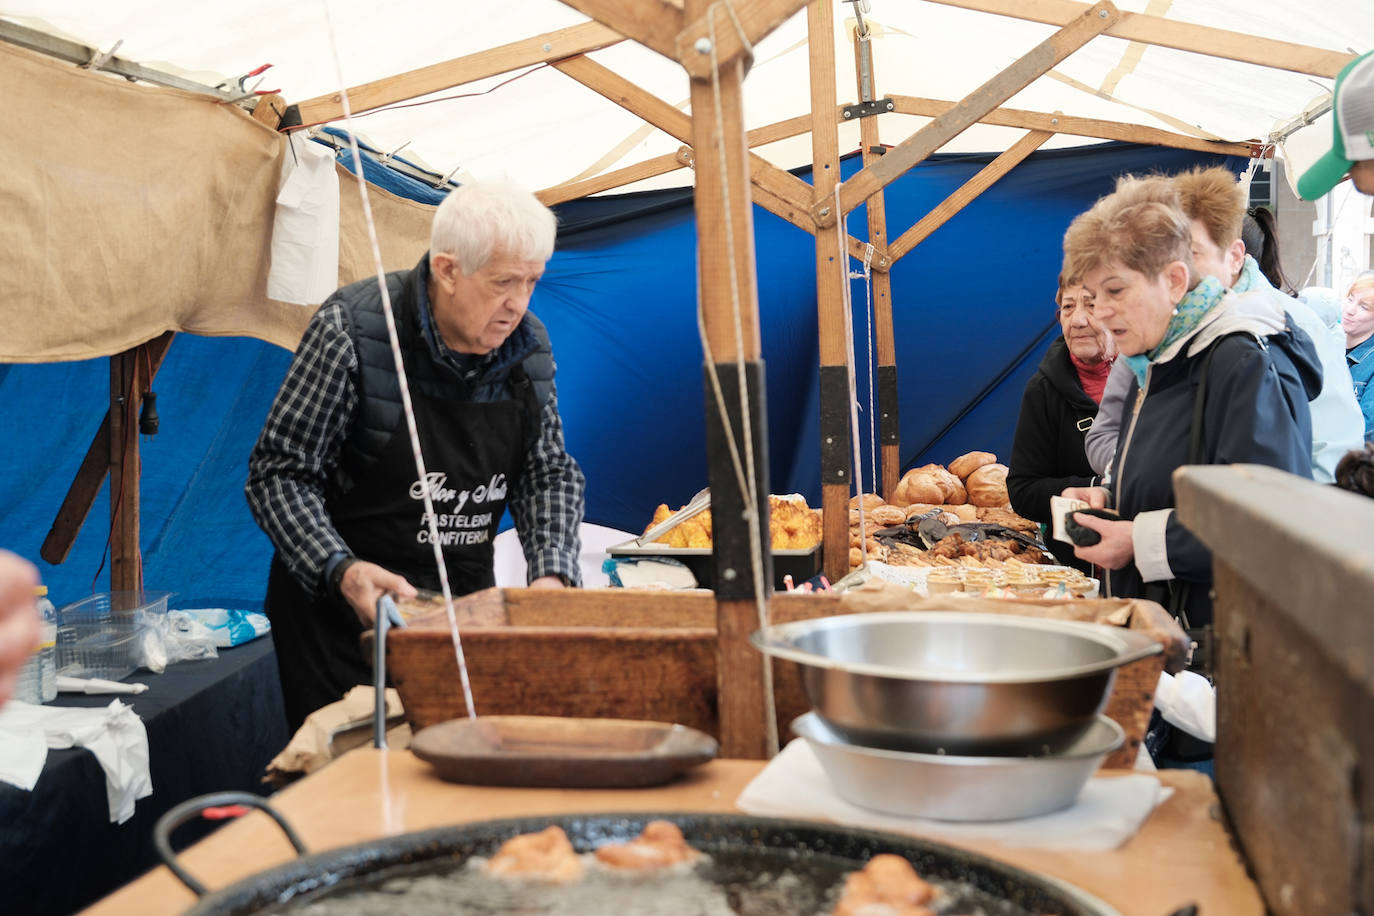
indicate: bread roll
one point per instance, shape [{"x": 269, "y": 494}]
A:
[
  {"x": 966, "y": 513},
  {"x": 965, "y": 465},
  {"x": 987, "y": 486},
  {"x": 920, "y": 509},
  {"x": 870, "y": 500},
  {"x": 887, "y": 516},
  {"x": 918, "y": 486}
]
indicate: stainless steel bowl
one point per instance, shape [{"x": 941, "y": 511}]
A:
[
  {"x": 957, "y": 788},
  {"x": 938, "y": 681}
]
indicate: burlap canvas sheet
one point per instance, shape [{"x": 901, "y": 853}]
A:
[{"x": 130, "y": 210}]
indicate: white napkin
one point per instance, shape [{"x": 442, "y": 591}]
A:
[
  {"x": 22, "y": 755},
  {"x": 115, "y": 734},
  {"x": 1108, "y": 813}
]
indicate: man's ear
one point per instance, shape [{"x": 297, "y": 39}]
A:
[
  {"x": 445, "y": 270},
  {"x": 1237, "y": 255}
]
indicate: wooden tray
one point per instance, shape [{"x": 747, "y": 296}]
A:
[{"x": 551, "y": 751}]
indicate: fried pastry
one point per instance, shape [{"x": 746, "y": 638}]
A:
[{"x": 659, "y": 845}]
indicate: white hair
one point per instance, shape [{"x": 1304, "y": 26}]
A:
[{"x": 476, "y": 221}]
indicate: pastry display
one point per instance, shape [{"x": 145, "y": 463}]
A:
[{"x": 792, "y": 525}]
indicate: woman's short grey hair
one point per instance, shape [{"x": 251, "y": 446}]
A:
[{"x": 476, "y": 221}]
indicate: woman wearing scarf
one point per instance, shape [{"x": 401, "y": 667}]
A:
[
  {"x": 1174, "y": 330},
  {"x": 1058, "y": 407},
  {"x": 1214, "y": 204}
]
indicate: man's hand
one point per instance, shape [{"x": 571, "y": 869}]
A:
[
  {"x": 18, "y": 618},
  {"x": 1095, "y": 497},
  {"x": 1116, "y": 548},
  {"x": 364, "y": 583},
  {"x": 548, "y": 582}
]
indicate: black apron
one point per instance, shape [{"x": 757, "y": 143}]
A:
[{"x": 474, "y": 453}]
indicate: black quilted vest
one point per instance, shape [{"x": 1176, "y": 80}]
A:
[{"x": 379, "y": 392}]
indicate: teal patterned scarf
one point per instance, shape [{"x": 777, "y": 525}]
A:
[{"x": 1189, "y": 312}]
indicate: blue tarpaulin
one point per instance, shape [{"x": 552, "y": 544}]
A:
[{"x": 973, "y": 312}]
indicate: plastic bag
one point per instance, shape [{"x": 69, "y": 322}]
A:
[
  {"x": 231, "y": 627},
  {"x": 175, "y": 636}
]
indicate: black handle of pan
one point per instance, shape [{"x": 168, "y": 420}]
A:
[{"x": 196, "y": 807}]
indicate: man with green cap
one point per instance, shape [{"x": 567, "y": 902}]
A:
[{"x": 1352, "y": 149}]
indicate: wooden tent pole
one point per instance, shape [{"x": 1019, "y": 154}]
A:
[
  {"x": 729, "y": 304},
  {"x": 76, "y": 505},
  {"x": 886, "y": 400},
  {"x": 126, "y": 395},
  {"x": 832, "y": 273},
  {"x": 1035, "y": 62}
]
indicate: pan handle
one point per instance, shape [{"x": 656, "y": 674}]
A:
[{"x": 200, "y": 806}]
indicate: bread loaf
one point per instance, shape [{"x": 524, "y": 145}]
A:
[
  {"x": 987, "y": 486},
  {"x": 870, "y": 501},
  {"x": 918, "y": 486},
  {"x": 965, "y": 465}
]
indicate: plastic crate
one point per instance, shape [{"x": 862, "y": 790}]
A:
[{"x": 98, "y": 636}]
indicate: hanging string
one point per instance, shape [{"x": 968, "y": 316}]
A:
[
  {"x": 430, "y": 516},
  {"x": 867, "y": 276},
  {"x": 747, "y": 474},
  {"x": 842, "y": 254}
]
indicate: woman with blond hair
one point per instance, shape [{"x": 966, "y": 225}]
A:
[
  {"x": 1217, "y": 379},
  {"x": 1357, "y": 320}
]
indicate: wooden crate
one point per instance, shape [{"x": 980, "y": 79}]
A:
[
  {"x": 1294, "y": 663},
  {"x": 622, "y": 653}
]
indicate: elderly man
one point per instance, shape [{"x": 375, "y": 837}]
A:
[{"x": 333, "y": 480}]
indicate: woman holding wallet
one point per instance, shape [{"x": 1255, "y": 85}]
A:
[{"x": 1218, "y": 379}]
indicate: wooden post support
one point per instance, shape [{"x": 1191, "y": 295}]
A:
[
  {"x": 269, "y": 110},
  {"x": 886, "y": 400},
  {"x": 126, "y": 566},
  {"x": 832, "y": 273},
  {"x": 729, "y": 303},
  {"x": 91, "y": 475}
]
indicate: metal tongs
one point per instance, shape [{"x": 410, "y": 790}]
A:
[
  {"x": 695, "y": 506},
  {"x": 388, "y": 616}
]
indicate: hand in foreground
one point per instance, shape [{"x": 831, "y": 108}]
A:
[
  {"x": 18, "y": 618},
  {"x": 364, "y": 583},
  {"x": 1116, "y": 548},
  {"x": 1095, "y": 497},
  {"x": 548, "y": 582}
]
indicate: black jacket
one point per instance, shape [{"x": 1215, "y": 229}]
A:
[
  {"x": 1047, "y": 453},
  {"x": 1255, "y": 412}
]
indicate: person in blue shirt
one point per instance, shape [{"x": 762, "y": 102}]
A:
[{"x": 1357, "y": 320}]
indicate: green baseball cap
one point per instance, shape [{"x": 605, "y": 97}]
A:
[{"x": 1352, "y": 116}]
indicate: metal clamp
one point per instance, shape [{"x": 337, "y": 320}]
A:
[{"x": 868, "y": 109}]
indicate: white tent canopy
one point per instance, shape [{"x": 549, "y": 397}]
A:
[{"x": 544, "y": 129}]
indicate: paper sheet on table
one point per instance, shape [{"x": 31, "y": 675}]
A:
[
  {"x": 114, "y": 734},
  {"x": 1108, "y": 813},
  {"x": 22, "y": 755}
]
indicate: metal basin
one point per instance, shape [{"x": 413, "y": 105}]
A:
[
  {"x": 956, "y": 683},
  {"x": 956, "y": 788}
]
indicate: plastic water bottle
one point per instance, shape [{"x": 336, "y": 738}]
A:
[
  {"x": 47, "y": 645},
  {"x": 37, "y": 682}
]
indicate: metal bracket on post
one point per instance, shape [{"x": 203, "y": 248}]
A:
[
  {"x": 835, "y": 425},
  {"x": 889, "y": 423},
  {"x": 868, "y": 109},
  {"x": 734, "y": 578}
]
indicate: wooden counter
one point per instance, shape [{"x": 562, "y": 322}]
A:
[{"x": 1182, "y": 854}]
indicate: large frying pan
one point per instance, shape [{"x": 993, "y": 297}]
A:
[{"x": 749, "y": 860}]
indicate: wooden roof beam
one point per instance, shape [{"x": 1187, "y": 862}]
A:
[
  {"x": 550, "y": 46},
  {"x": 1182, "y": 36},
  {"x": 653, "y": 23},
  {"x": 1082, "y": 127},
  {"x": 756, "y": 17},
  {"x": 1039, "y": 60},
  {"x": 967, "y": 192}
]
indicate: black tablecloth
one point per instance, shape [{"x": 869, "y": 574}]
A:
[{"x": 212, "y": 725}]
